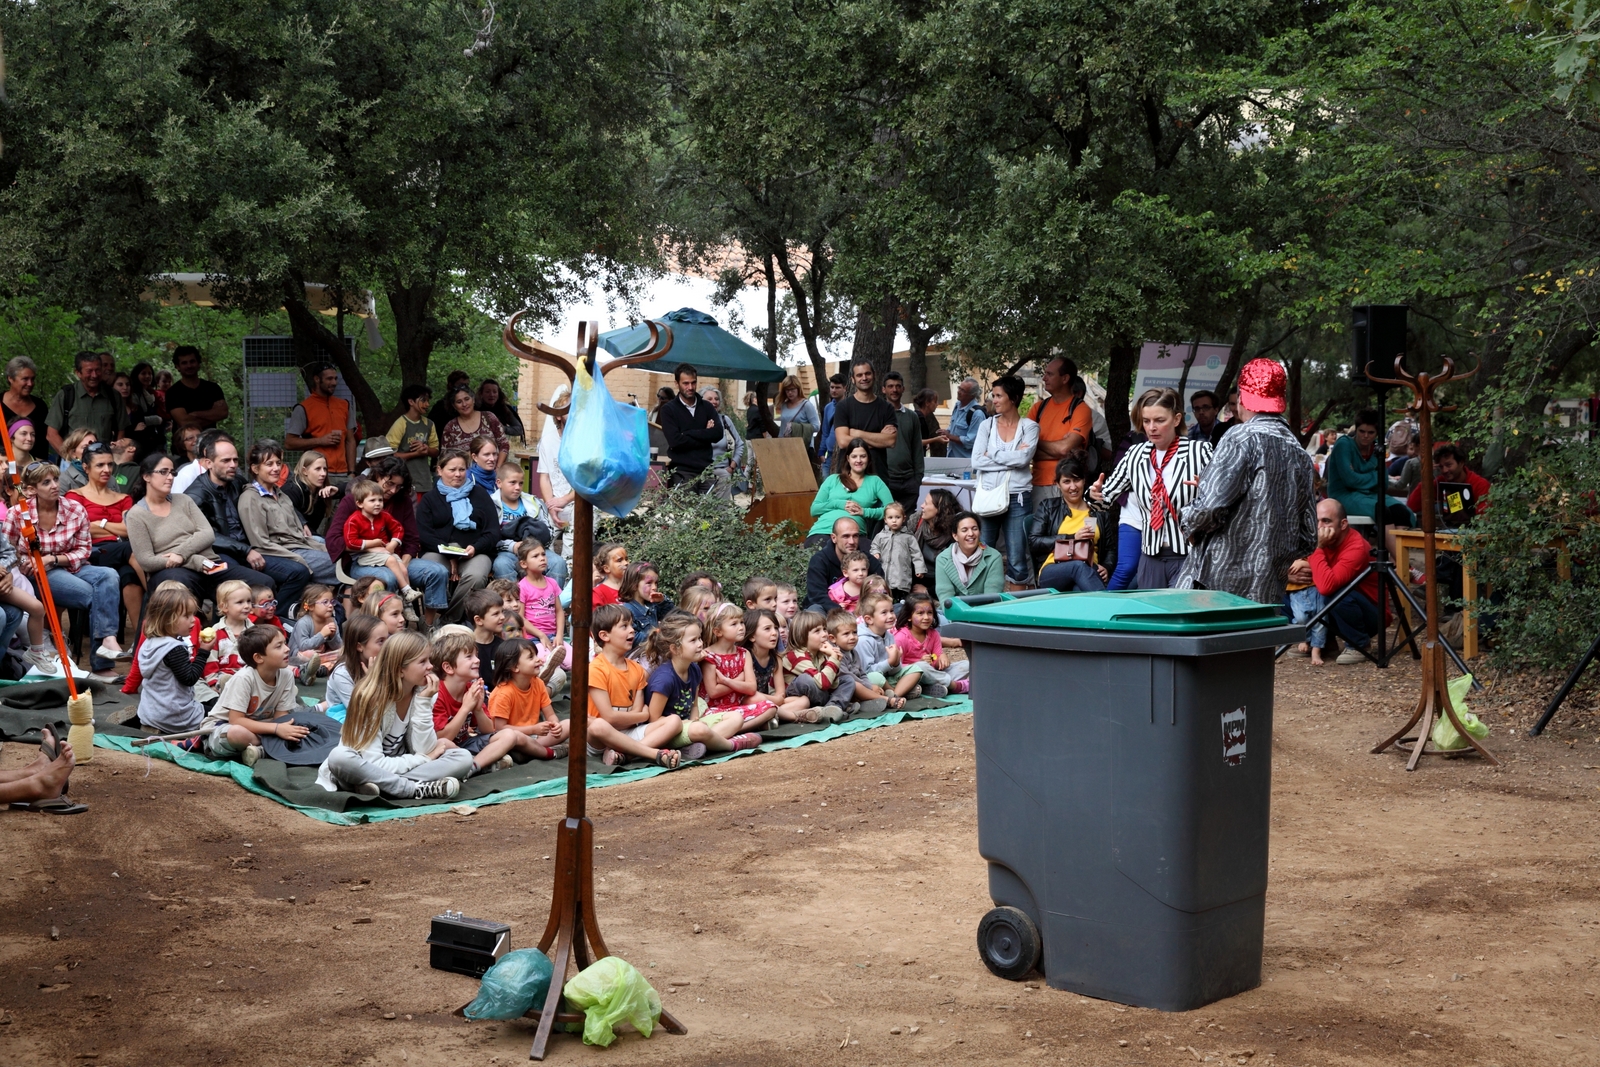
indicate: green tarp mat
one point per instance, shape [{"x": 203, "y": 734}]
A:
[{"x": 296, "y": 786}]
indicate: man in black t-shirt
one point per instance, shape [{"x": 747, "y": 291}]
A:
[
  {"x": 866, "y": 415},
  {"x": 191, "y": 400}
]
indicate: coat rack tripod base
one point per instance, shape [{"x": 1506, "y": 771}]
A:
[
  {"x": 1434, "y": 702},
  {"x": 572, "y": 936}
]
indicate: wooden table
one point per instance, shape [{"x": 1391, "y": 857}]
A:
[{"x": 1405, "y": 541}]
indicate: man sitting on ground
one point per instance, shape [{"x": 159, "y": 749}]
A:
[
  {"x": 824, "y": 568},
  {"x": 1340, "y": 555}
]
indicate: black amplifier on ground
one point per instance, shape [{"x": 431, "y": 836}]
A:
[{"x": 466, "y": 946}]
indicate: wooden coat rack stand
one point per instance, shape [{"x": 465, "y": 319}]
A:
[
  {"x": 1434, "y": 703},
  {"x": 572, "y": 936}
]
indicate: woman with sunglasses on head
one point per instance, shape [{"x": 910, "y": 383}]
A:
[
  {"x": 171, "y": 538},
  {"x": 275, "y": 528},
  {"x": 63, "y": 532},
  {"x": 71, "y": 473},
  {"x": 107, "y": 508}
]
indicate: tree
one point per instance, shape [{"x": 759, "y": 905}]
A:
[{"x": 358, "y": 143}]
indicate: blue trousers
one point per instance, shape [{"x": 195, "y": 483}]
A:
[
  {"x": 1128, "y": 548},
  {"x": 432, "y": 578},
  {"x": 1304, "y": 603},
  {"x": 1072, "y": 576},
  {"x": 1011, "y": 526},
  {"x": 1355, "y": 619},
  {"x": 291, "y": 576}
]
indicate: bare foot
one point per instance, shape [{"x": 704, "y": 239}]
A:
[
  {"x": 53, "y": 778},
  {"x": 1303, "y": 648},
  {"x": 1316, "y": 657}
]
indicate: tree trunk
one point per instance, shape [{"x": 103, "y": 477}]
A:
[
  {"x": 1296, "y": 410},
  {"x": 314, "y": 341},
  {"x": 1244, "y": 323},
  {"x": 919, "y": 336},
  {"x": 807, "y": 305},
  {"x": 1119, "y": 387},
  {"x": 769, "y": 270},
  {"x": 875, "y": 329},
  {"x": 416, "y": 331},
  {"x": 1188, "y": 362}
]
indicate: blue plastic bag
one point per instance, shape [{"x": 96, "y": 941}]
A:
[
  {"x": 517, "y": 981},
  {"x": 605, "y": 448}
]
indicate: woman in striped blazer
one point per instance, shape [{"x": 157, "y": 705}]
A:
[{"x": 1162, "y": 474}]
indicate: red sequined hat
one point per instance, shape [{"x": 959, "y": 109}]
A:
[{"x": 1262, "y": 386}]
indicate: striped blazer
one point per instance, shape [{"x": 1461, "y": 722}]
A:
[{"x": 1135, "y": 474}]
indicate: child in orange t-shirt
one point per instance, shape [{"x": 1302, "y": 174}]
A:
[
  {"x": 520, "y": 700},
  {"x": 619, "y": 723}
]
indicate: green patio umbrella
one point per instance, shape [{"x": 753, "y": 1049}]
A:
[{"x": 698, "y": 341}]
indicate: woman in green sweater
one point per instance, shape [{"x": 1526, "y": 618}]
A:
[
  {"x": 968, "y": 567},
  {"x": 852, "y": 493}
]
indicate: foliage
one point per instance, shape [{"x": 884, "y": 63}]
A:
[
  {"x": 1572, "y": 36},
  {"x": 682, "y": 531},
  {"x": 43, "y": 333},
  {"x": 1540, "y": 619}
]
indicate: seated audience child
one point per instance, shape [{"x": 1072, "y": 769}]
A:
[
  {"x": 730, "y": 681},
  {"x": 364, "y": 636},
  {"x": 866, "y": 698},
  {"x": 898, "y": 552},
  {"x": 760, "y": 592},
  {"x": 357, "y": 594},
  {"x": 263, "y": 690},
  {"x": 168, "y": 667},
  {"x": 264, "y": 608},
  {"x": 698, "y": 600},
  {"x": 610, "y": 568},
  {"x": 488, "y": 618},
  {"x": 235, "y": 601},
  {"x": 386, "y": 606},
  {"x": 766, "y": 660},
  {"x": 619, "y": 723},
  {"x": 461, "y": 708},
  {"x": 374, "y": 536},
  {"x": 704, "y": 579},
  {"x": 387, "y": 746},
  {"x": 880, "y": 655},
  {"x": 641, "y": 596},
  {"x": 788, "y": 607},
  {"x": 520, "y": 700},
  {"x": 512, "y": 624},
  {"x": 812, "y": 663},
  {"x": 523, "y": 517},
  {"x": 917, "y": 635},
  {"x": 673, "y": 688},
  {"x": 875, "y": 583},
  {"x": 846, "y": 592},
  {"x": 315, "y": 641},
  {"x": 541, "y": 609}
]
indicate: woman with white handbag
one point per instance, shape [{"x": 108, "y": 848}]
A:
[{"x": 1002, "y": 459}]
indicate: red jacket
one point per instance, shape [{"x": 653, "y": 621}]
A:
[
  {"x": 1480, "y": 491},
  {"x": 1334, "y": 568}
]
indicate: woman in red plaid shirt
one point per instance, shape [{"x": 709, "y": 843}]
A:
[{"x": 63, "y": 531}]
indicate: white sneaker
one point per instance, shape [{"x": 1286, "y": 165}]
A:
[
  {"x": 411, "y": 592},
  {"x": 1351, "y": 654},
  {"x": 366, "y": 789},
  {"x": 45, "y": 660},
  {"x": 250, "y": 754},
  {"x": 440, "y": 789},
  {"x": 107, "y": 652}
]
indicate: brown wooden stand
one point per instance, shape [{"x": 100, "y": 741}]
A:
[
  {"x": 1435, "y": 699},
  {"x": 572, "y": 936}
]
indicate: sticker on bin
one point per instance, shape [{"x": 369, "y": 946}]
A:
[{"x": 1233, "y": 737}]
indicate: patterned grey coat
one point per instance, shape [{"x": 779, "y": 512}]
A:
[{"x": 1255, "y": 513}]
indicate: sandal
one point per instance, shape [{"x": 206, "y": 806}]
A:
[
  {"x": 61, "y": 805},
  {"x": 663, "y": 760},
  {"x": 49, "y": 742},
  {"x": 612, "y": 757}
]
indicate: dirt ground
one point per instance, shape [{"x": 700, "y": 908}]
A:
[{"x": 816, "y": 905}]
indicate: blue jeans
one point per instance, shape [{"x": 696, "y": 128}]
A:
[
  {"x": 95, "y": 588},
  {"x": 1011, "y": 525},
  {"x": 432, "y": 578},
  {"x": 8, "y": 627},
  {"x": 1129, "y": 545},
  {"x": 1304, "y": 603},
  {"x": 1072, "y": 576},
  {"x": 289, "y": 577},
  {"x": 1355, "y": 619}
]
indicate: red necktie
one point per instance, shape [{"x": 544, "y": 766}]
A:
[{"x": 1160, "y": 504}]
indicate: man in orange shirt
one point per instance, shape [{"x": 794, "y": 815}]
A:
[
  {"x": 324, "y": 422},
  {"x": 1066, "y": 424}
]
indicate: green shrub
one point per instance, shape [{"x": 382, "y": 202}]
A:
[
  {"x": 682, "y": 531},
  {"x": 1540, "y": 619}
]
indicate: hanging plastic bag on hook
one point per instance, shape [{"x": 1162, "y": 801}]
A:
[{"x": 605, "y": 448}]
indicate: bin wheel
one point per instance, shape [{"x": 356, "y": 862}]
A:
[{"x": 1009, "y": 943}]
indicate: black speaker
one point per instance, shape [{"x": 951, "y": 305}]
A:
[{"x": 1377, "y": 335}]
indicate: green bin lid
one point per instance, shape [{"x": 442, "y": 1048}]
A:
[{"x": 1179, "y": 611}]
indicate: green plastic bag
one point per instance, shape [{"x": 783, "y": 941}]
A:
[
  {"x": 1445, "y": 735},
  {"x": 517, "y": 981},
  {"x": 612, "y": 991}
]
